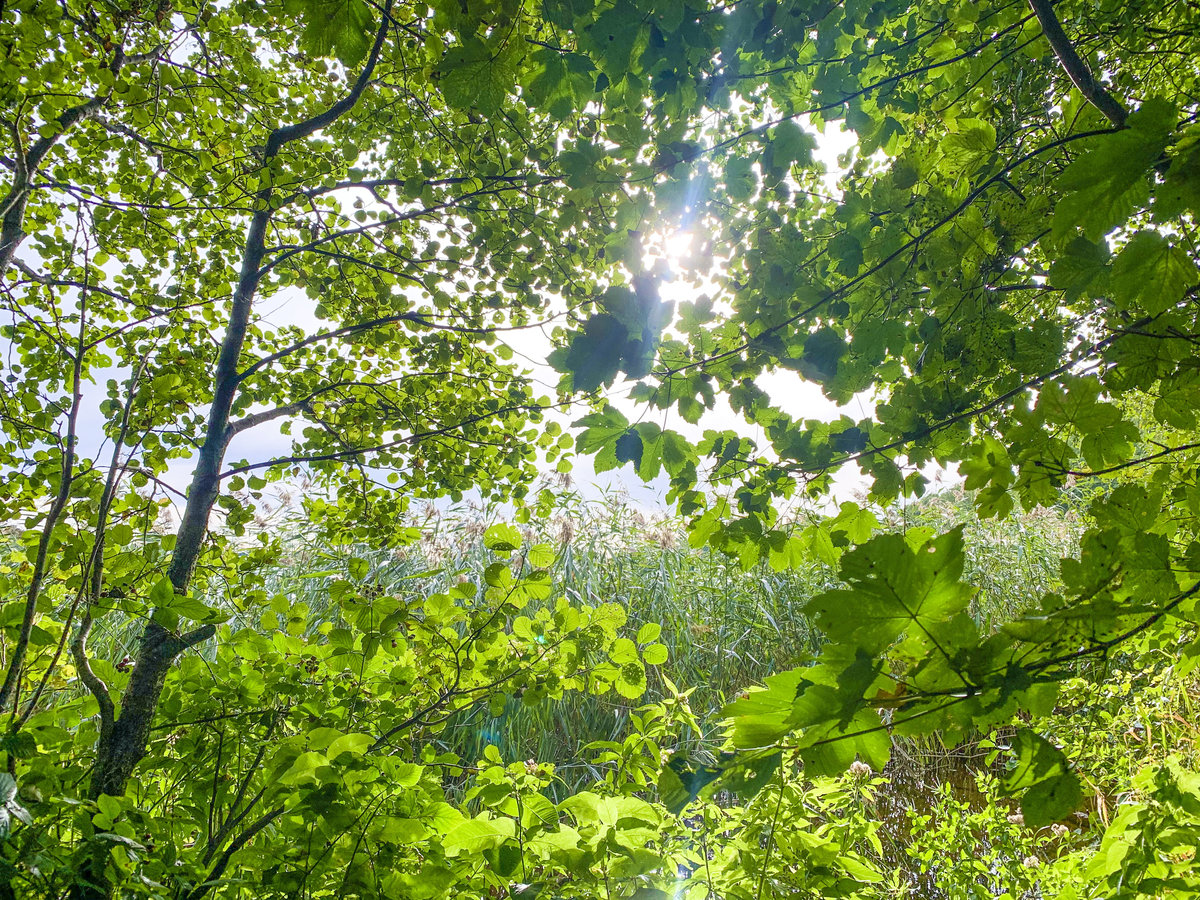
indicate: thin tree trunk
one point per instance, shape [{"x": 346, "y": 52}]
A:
[
  {"x": 12, "y": 677},
  {"x": 127, "y": 741}
]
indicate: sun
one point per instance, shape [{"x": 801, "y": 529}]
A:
[{"x": 677, "y": 246}]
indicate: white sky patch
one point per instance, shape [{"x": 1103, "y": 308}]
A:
[{"x": 684, "y": 253}]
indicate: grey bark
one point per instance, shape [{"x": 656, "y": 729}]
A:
[{"x": 1077, "y": 70}]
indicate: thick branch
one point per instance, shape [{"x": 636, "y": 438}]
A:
[
  {"x": 205, "y": 485},
  {"x": 12, "y": 207},
  {"x": 126, "y": 745},
  {"x": 1076, "y": 69},
  {"x": 253, "y": 420},
  {"x": 83, "y": 666},
  {"x": 281, "y": 136}
]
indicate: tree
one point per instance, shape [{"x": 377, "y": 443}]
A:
[
  {"x": 231, "y": 230},
  {"x": 1005, "y": 283},
  {"x": 321, "y": 215}
]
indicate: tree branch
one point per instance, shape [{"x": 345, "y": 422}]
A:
[
  {"x": 223, "y": 863},
  {"x": 84, "y": 666},
  {"x": 66, "y": 479},
  {"x": 1076, "y": 69},
  {"x": 93, "y": 580},
  {"x": 1141, "y": 460},
  {"x": 386, "y": 445},
  {"x": 911, "y": 245},
  {"x": 281, "y": 136},
  {"x": 12, "y": 207},
  {"x": 359, "y": 327}
]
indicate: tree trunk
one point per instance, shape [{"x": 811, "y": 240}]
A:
[{"x": 128, "y": 740}]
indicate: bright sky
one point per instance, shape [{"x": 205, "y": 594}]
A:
[
  {"x": 786, "y": 388},
  {"x": 532, "y": 346}
]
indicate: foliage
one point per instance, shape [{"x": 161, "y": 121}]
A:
[
  {"x": 1005, "y": 273},
  {"x": 1150, "y": 848},
  {"x": 981, "y": 852},
  {"x": 723, "y": 629},
  {"x": 227, "y": 232},
  {"x": 321, "y": 727},
  {"x": 222, "y": 223}
]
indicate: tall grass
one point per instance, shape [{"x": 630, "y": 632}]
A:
[{"x": 725, "y": 628}]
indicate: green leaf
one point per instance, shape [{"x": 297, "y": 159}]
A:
[
  {"x": 859, "y": 869},
  {"x": 613, "y": 37},
  {"x": 599, "y": 435},
  {"x": 649, "y": 632},
  {"x": 631, "y": 680},
  {"x": 670, "y": 14},
  {"x": 654, "y": 654},
  {"x": 792, "y": 144},
  {"x": 502, "y": 538},
  {"x": 163, "y": 593},
  {"x": 1081, "y": 264},
  {"x": 1151, "y": 274},
  {"x": 473, "y": 836},
  {"x": 476, "y": 75},
  {"x": 847, "y": 250},
  {"x": 970, "y": 144},
  {"x": 765, "y": 713},
  {"x": 340, "y": 28},
  {"x": 740, "y": 179},
  {"x": 752, "y": 773},
  {"x": 1102, "y": 187},
  {"x": 303, "y": 768},
  {"x": 191, "y": 608},
  {"x": 1049, "y": 790},
  {"x": 894, "y": 590},
  {"x": 823, "y": 351},
  {"x": 594, "y": 357},
  {"x": 680, "y": 782},
  {"x": 353, "y": 744},
  {"x": 628, "y": 448},
  {"x": 623, "y": 651}
]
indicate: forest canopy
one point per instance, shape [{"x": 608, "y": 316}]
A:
[{"x": 306, "y": 246}]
